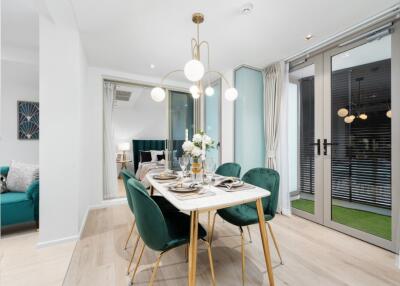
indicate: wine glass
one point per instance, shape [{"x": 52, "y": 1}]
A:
[
  {"x": 183, "y": 163},
  {"x": 210, "y": 169}
]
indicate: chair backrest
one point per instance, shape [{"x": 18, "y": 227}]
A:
[
  {"x": 126, "y": 175},
  {"x": 229, "y": 170},
  {"x": 267, "y": 179},
  {"x": 150, "y": 220}
]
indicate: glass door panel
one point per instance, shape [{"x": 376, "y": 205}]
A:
[
  {"x": 212, "y": 110},
  {"x": 181, "y": 117},
  {"x": 304, "y": 121},
  {"x": 360, "y": 132}
]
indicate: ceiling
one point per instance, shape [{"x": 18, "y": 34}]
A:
[
  {"x": 131, "y": 35},
  {"x": 138, "y": 93}
]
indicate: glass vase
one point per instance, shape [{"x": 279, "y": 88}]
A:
[{"x": 196, "y": 168}]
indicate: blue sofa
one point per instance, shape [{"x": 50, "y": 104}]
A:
[{"x": 19, "y": 207}]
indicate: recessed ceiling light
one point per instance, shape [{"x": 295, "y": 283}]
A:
[
  {"x": 247, "y": 8},
  {"x": 309, "y": 37},
  {"x": 152, "y": 66}
]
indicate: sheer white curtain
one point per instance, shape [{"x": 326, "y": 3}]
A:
[
  {"x": 276, "y": 128},
  {"x": 109, "y": 165}
]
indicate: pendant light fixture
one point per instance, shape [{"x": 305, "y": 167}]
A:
[{"x": 195, "y": 71}]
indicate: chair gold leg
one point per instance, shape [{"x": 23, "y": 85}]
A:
[
  {"x": 248, "y": 230},
  {"x": 130, "y": 234},
  {"x": 243, "y": 256},
  {"x": 186, "y": 252},
  {"x": 208, "y": 225},
  {"x": 275, "y": 242},
  {"x": 138, "y": 263},
  {"x": 153, "y": 275},
  {"x": 210, "y": 258},
  {"x": 212, "y": 229},
  {"x": 264, "y": 240},
  {"x": 133, "y": 254}
]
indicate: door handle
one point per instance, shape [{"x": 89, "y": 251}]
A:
[
  {"x": 326, "y": 144},
  {"x": 318, "y": 144}
]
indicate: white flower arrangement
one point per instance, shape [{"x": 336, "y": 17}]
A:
[{"x": 200, "y": 143}]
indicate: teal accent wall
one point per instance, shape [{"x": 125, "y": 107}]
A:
[
  {"x": 249, "y": 119},
  {"x": 213, "y": 118}
]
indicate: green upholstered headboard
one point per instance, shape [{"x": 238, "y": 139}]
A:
[{"x": 145, "y": 145}]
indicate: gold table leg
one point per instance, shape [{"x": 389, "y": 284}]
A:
[
  {"x": 194, "y": 224},
  {"x": 264, "y": 239}
]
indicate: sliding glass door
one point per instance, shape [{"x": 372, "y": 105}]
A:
[
  {"x": 305, "y": 122},
  {"x": 212, "y": 120},
  {"x": 181, "y": 118},
  {"x": 345, "y": 132},
  {"x": 358, "y": 164}
]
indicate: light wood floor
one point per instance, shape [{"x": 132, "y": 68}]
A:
[
  {"x": 313, "y": 255},
  {"x": 22, "y": 263}
]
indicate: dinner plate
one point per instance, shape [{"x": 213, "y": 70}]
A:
[
  {"x": 165, "y": 177},
  {"x": 183, "y": 189}
]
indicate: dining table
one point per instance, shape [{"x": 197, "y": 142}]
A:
[{"x": 212, "y": 198}]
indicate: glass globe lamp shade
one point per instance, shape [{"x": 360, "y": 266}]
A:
[
  {"x": 363, "y": 116},
  {"x": 389, "y": 113},
  {"x": 209, "y": 91},
  {"x": 196, "y": 95},
  {"x": 194, "y": 70},
  {"x": 342, "y": 112},
  {"x": 194, "y": 89},
  {"x": 157, "y": 94},
  {"x": 231, "y": 94},
  {"x": 349, "y": 119}
]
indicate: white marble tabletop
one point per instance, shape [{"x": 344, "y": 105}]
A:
[{"x": 221, "y": 199}]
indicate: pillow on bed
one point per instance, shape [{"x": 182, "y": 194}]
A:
[
  {"x": 145, "y": 156},
  {"x": 155, "y": 153}
]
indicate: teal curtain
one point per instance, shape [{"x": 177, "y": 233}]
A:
[
  {"x": 249, "y": 119},
  {"x": 213, "y": 119},
  {"x": 181, "y": 117}
]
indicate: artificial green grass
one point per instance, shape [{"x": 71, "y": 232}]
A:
[{"x": 376, "y": 224}]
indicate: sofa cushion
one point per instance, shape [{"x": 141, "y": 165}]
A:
[
  {"x": 13, "y": 197},
  {"x": 16, "y": 208},
  {"x": 21, "y": 175}
]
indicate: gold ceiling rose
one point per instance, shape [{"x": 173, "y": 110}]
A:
[{"x": 195, "y": 71}]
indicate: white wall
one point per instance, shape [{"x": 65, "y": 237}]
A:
[
  {"x": 62, "y": 88},
  {"x": 142, "y": 119},
  {"x": 20, "y": 81}
]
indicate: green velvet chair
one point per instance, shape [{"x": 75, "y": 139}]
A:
[
  {"x": 160, "y": 231},
  {"x": 229, "y": 170},
  {"x": 164, "y": 205},
  {"x": 19, "y": 207},
  {"x": 246, "y": 214}
]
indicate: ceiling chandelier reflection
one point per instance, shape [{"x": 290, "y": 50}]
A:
[
  {"x": 195, "y": 71},
  {"x": 349, "y": 115}
]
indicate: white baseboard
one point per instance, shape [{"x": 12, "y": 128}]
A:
[{"x": 57, "y": 241}]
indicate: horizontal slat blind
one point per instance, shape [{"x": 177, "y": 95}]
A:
[
  {"x": 306, "y": 149},
  {"x": 361, "y": 156}
]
